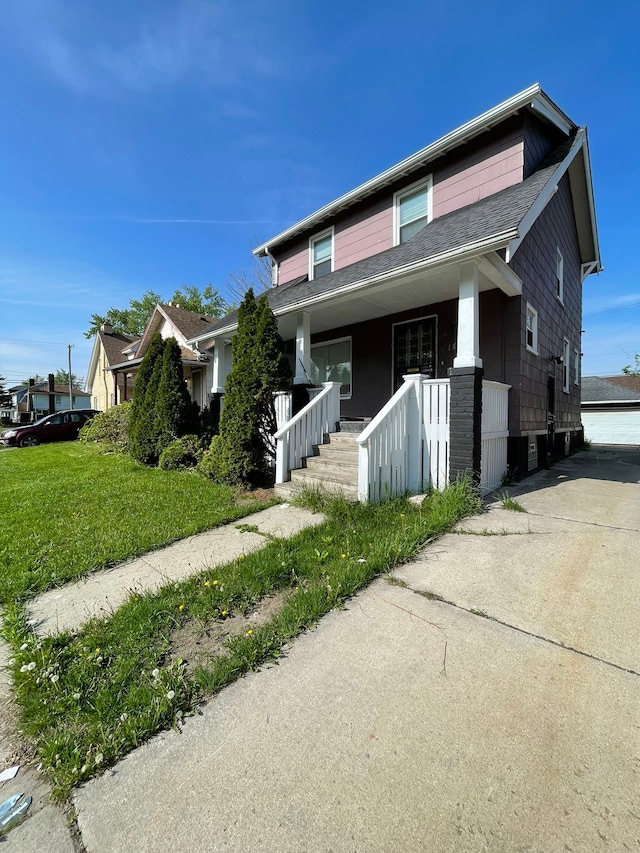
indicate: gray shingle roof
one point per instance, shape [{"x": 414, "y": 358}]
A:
[
  {"x": 114, "y": 343},
  {"x": 595, "y": 389},
  {"x": 499, "y": 213}
]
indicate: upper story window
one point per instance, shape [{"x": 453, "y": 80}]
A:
[
  {"x": 559, "y": 275},
  {"x": 531, "y": 331},
  {"x": 411, "y": 210},
  {"x": 321, "y": 252}
]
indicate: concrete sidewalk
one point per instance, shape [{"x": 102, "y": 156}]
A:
[
  {"x": 410, "y": 723},
  {"x": 101, "y": 593}
]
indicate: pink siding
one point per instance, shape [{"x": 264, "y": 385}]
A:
[
  {"x": 294, "y": 262},
  {"x": 461, "y": 181},
  {"x": 486, "y": 172},
  {"x": 365, "y": 234}
]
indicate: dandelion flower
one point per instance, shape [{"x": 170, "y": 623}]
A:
[
  {"x": 155, "y": 672},
  {"x": 206, "y": 583},
  {"x": 215, "y": 583},
  {"x": 97, "y": 651},
  {"x": 224, "y": 613},
  {"x": 249, "y": 632},
  {"x": 171, "y": 694},
  {"x": 31, "y": 665},
  {"x": 181, "y": 607},
  {"x": 343, "y": 556}
]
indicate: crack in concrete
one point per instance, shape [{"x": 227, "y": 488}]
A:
[{"x": 432, "y": 596}]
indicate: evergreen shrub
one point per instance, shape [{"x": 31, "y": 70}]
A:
[
  {"x": 185, "y": 452},
  {"x": 110, "y": 427}
]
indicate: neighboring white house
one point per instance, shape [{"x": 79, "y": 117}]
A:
[
  {"x": 611, "y": 409},
  {"x": 30, "y": 402}
]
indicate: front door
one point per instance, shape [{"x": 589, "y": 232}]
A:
[{"x": 414, "y": 349}]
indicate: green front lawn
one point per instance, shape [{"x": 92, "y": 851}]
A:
[
  {"x": 66, "y": 509},
  {"x": 87, "y": 700}
]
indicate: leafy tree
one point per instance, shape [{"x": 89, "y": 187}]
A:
[
  {"x": 5, "y": 398},
  {"x": 142, "y": 438},
  {"x": 62, "y": 378},
  {"x": 174, "y": 411},
  {"x": 209, "y": 303},
  {"x": 133, "y": 320},
  {"x": 37, "y": 379},
  {"x": 239, "y": 453},
  {"x": 633, "y": 369}
]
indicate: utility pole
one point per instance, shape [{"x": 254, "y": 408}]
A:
[{"x": 69, "y": 347}]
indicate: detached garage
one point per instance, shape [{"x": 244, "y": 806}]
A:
[{"x": 611, "y": 409}]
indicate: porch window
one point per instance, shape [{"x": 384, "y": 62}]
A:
[
  {"x": 567, "y": 365},
  {"x": 532, "y": 329},
  {"x": 412, "y": 211},
  {"x": 559, "y": 275},
  {"x": 331, "y": 362},
  {"x": 321, "y": 255}
]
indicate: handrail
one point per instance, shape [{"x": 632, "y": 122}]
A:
[
  {"x": 296, "y": 439},
  {"x": 388, "y": 407},
  {"x": 304, "y": 411}
]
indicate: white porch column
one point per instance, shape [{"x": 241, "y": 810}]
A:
[
  {"x": 468, "y": 349},
  {"x": 220, "y": 367},
  {"x": 303, "y": 349}
]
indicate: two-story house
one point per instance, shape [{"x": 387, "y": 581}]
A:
[{"x": 442, "y": 299}]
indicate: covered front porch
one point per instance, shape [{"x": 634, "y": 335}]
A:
[{"x": 408, "y": 364}]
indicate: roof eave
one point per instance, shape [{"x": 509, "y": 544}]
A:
[
  {"x": 532, "y": 97},
  {"x": 466, "y": 252}
]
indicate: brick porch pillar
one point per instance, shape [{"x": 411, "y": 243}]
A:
[{"x": 465, "y": 422}]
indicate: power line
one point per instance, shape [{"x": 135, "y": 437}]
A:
[{"x": 41, "y": 343}]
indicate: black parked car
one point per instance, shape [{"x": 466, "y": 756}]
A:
[{"x": 59, "y": 427}]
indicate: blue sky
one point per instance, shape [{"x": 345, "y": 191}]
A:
[{"x": 152, "y": 144}]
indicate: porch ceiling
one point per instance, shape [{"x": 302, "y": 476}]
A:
[{"x": 412, "y": 290}]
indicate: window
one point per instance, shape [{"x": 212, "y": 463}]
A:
[
  {"x": 559, "y": 275},
  {"x": 58, "y": 399},
  {"x": 321, "y": 255},
  {"x": 576, "y": 367},
  {"x": 532, "y": 329},
  {"x": 412, "y": 211},
  {"x": 566, "y": 365},
  {"x": 331, "y": 362}
]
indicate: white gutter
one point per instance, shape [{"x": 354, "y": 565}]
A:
[
  {"x": 463, "y": 253},
  {"x": 532, "y": 97}
]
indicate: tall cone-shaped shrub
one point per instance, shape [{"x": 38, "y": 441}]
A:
[
  {"x": 173, "y": 407},
  {"x": 143, "y": 404},
  {"x": 239, "y": 454}
]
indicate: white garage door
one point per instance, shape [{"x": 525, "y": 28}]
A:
[{"x": 613, "y": 427}]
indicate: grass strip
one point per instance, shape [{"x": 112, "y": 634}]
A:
[
  {"x": 68, "y": 509},
  {"x": 87, "y": 700}
]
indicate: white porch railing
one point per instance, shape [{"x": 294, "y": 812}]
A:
[
  {"x": 435, "y": 456},
  {"x": 297, "y": 437},
  {"x": 282, "y": 405},
  {"x": 495, "y": 434}
]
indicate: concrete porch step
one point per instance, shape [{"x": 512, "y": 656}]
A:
[
  {"x": 304, "y": 478},
  {"x": 318, "y": 466}
]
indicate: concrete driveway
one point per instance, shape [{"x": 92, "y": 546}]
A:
[{"x": 505, "y": 717}]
